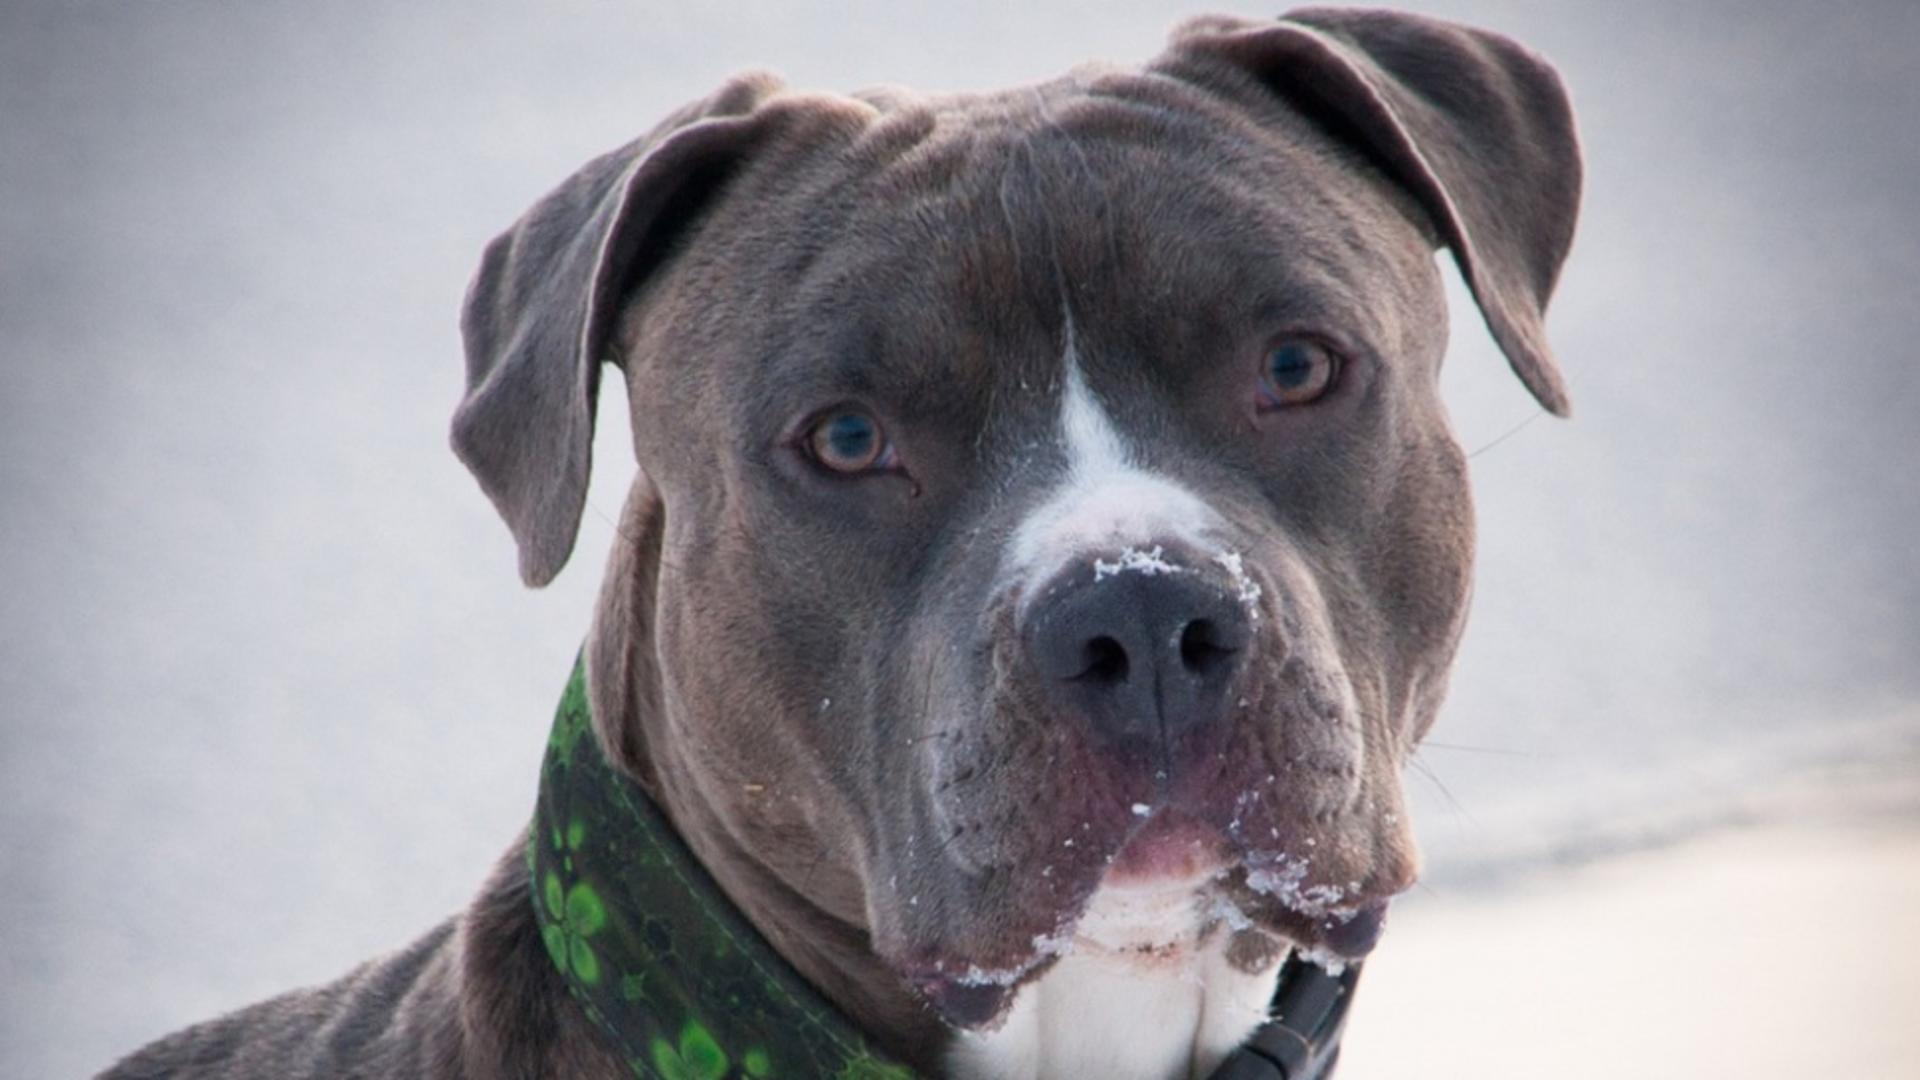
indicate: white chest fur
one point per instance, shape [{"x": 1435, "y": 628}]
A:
[{"x": 1147, "y": 993}]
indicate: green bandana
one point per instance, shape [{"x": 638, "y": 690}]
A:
[{"x": 666, "y": 967}]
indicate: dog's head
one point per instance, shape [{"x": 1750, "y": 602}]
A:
[{"x": 1039, "y": 491}]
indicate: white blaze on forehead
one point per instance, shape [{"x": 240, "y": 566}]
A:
[{"x": 1106, "y": 502}]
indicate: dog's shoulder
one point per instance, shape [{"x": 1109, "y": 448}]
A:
[
  {"x": 472, "y": 999},
  {"x": 386, "y": 1017}
]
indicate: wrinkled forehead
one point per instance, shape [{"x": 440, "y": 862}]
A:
[{"x": 948, "y": 245}]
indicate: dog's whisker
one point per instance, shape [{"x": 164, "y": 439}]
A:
[
  {"x": 1461, "y": 748},
  {"x": 1510, "y": 433},
  {"x": 819, "y": 858},
  {"x": 1458, "y": 808},
  {"x": 627, "y": 536}
]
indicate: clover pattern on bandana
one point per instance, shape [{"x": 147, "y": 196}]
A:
[
  {"x": 577, "y": 914},
  {"x": 658, "y": 959},
  {"x": 697, "y": 1057}
]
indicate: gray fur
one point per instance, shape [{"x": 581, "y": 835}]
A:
[
  {"x": 538, "y": 315},
  {"x": 820, "y": 680},
  {"x": 1472, "y": 124}
]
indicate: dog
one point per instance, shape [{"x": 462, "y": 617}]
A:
[{"x": 1047, "y": 546}]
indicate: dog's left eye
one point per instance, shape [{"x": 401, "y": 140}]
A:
[
  {"x": 1297, "y": 371},
  {"x": 849, "y": 441}
]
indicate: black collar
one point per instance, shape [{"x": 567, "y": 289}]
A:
[
  {"x": 684, "y": 988},
  {"x": 1302, "y": 1041}
]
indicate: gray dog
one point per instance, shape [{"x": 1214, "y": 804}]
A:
[{"x": 1047, "y": 547}]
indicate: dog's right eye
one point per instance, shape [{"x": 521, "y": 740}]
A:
[
  {"x": 1298, "y": 371},
  {"x": 849, "y": 441}
]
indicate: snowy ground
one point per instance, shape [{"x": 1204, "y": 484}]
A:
[{"x": 1769, "y": 953}]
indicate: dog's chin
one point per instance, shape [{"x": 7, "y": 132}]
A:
[{"x": 1173, "y": 887}]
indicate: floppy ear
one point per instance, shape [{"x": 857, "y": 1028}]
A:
[
  {"x": 541, "y": 309},
  {"x": 1476, "y": 127}
]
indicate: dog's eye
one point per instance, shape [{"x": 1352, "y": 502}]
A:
[
  {"x": 1297, "y": 371},
  {"x": 849, "y": 441}
]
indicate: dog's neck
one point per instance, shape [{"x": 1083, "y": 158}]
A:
[
  {"x": 832, "y": 951},
  {"x": 664, "y": 965}
]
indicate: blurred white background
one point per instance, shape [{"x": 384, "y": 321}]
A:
[{"x": 271, "y": 696}]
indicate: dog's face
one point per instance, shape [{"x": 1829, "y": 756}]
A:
[
  {"x": 899, "y": 496},
  {"x": 1052, "y": 492}
]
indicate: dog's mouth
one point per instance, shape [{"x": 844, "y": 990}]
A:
[
  {"x": 1274, "y": 825},
  {"x": 1249, "y": 887},
  {"x": 1172, "y": 888}
]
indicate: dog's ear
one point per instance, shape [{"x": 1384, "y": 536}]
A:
[
  {"x": 1476, "y": 127},
  {"x": 541, "y": 311}
]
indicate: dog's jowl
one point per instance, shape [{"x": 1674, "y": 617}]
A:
[{"x": 1047, "y": 545}]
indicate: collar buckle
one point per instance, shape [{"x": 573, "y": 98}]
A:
[{"x": 1302, "y": 1041}]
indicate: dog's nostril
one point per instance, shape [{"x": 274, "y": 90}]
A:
[
  {"x": 1201, "y": 648},
  {"x": 1104, "y": 661}
]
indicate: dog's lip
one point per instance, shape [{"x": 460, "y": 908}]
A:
[
  {"x": 1167, "y": 855},
  {"x": 969, "y": 995},
  {"x": 1170, "y": 853},
  {"x": 1354, "y": 936},
  {"x": 1348, "y": 930},
  {"x": 1169, "y": 847}
]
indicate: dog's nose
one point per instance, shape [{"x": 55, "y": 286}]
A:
[{"x": 1143, "y": 652}]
